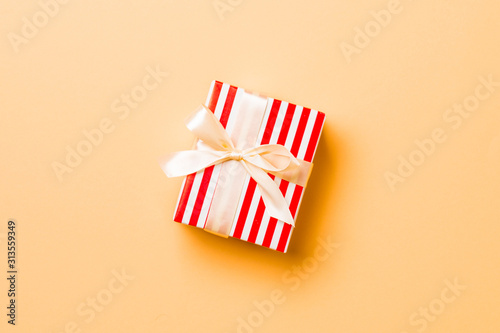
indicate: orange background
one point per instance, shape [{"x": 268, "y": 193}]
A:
[{"x": 397, "y": 249}]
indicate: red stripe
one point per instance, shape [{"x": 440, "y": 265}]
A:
[
  {"x": 257, "y": 220},
  {"x": 240, "y": 224},
  {"x": 285, "y": 128},
  {"x": 188, "y": 184},
  {"x": 294, "y": 203},
  {"x": 300, "y": 131},
  {"x": 311, "y": 148},
  {"x": 181, "y": 208},
  {"x": 285, "y": 234},
  {"x": 200, "y": 198},
  {"x": 304, "y": 117},
  {"x": 228, "y": 105},
  {"x": 313, "y": 142},
  {"x": 238, "y": 230},
  {"x": 273, "y": 116},
  {"x": 215, "y": 96},
  {"x": 261, "y": 208}
]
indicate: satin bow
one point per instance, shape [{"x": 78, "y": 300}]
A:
[{"x": 217, "y": 147}]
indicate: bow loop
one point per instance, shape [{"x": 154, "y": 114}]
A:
[
  {"x": 208, "y": 129},
  {"x": 271, "y": 157}
]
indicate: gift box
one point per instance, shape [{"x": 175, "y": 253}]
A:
[{"x": 232, "y": 196}]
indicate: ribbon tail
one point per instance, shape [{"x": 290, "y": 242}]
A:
[
  {"x": 183, "y": 163},
  {"x": 274, "y": 201},
  {"x": 297, "y": 175}
]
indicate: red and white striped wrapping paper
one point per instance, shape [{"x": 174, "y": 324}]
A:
[{"x": 295, "y": 127}]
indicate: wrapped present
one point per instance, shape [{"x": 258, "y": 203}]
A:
[{"x": 246, "y": 175}]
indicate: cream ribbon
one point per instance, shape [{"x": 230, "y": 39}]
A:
[{"x": 258, "y": 161}]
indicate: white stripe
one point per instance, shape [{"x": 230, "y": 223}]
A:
[
  {"x": 263, "y": 228},
  {"x": 210, "y": 91},
  {"x": 222, "y": 100},
  {"x": 293, "y": 127},
  {"x": 317, "y": 143},
  {"x": 269, "y": 106},
  {"x": 279, "y": 122},
  {"x": 192, "y": 198},
  {"x": 288, "y": 240},
  {"x": 276, "y": 235},
  {"x": 232, "y": 115},
  {"x": 307, "y": 134},
  {"x": 180, "y": 196},
  {"x": 202, "y": 219}
]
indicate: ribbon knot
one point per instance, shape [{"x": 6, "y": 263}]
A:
[
  {"x": 260, "y": 161},
  {"x": 236, "y": 155}
]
